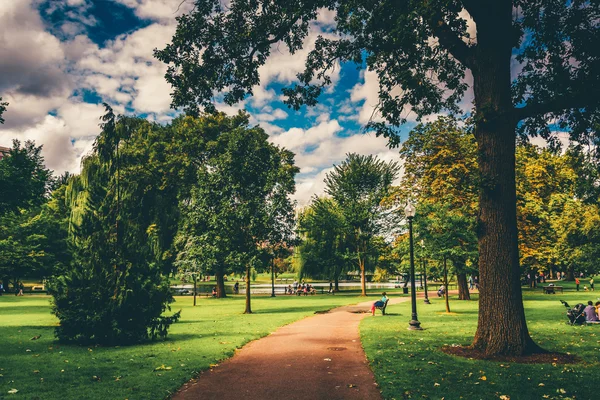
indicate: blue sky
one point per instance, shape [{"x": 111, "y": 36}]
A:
[{"x": 62, "y": 58}]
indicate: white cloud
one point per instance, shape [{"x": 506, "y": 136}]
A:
[
  {"x": 158, "y": 9},
  {"x": 53, "y": 133}
]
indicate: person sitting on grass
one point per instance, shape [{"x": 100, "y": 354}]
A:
[
  {"x": 214, "y": 292},
  {"x": 379, "y": 303},
  {"x": 598, "y": 309},
  {"x": 590, "y": 313}
]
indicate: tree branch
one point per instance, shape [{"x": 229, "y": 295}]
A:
[
  {"x": 452, "y": 42},
  {"x": 564, "y": 102},
  {"x": 278, "y": 35}
]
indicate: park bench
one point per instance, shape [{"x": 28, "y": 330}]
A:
[
  {"x": 552, "y": 289},
  {"x": 383, "y": 307}
]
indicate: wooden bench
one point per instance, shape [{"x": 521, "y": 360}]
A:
[
  {"x": 552, "y": 289},
  {"x": 383, "y": 307}
]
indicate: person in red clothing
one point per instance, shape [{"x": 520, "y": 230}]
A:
[{"x": 577, "y": 284}]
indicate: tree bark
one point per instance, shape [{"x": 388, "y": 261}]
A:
[
  {"x": 363, "y": 283},
  {"x": 463, "y": 287},
  {"x": 446, "y": 285},
  {"x": 248, "y": 308},
  {"x": 501, "y": 328},
  {"x": 336, "y": 284},
  {"x": 220, "y": 284},
  {"x": 272, "y": 277},
  {"x": 570, "y": 273},
  {"x": 195, "y": 287}
]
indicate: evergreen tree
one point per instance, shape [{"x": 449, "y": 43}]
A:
[{"x": 122, "y": 223}]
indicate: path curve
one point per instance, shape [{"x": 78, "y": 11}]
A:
[{"x": 320, "y": 357}]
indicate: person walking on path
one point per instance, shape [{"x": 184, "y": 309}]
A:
[{"x": 577, "y": 284}]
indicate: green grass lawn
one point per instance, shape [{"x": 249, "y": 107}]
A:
[
  {"x": 409, "y": 364},
  {"x": 206, "y": 334}
]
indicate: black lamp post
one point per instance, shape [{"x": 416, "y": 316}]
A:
[
  {"x": 426, "y": 301},
  {"x": 414, "y": 323}
]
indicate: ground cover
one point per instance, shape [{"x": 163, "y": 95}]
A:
[
  {"x": 409, "y": 364},
  {"x": 206, "y": 334}
]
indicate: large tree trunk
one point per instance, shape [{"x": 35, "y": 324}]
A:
[
  {"x": 220, "y": 284},
  {"x": 463, "y": 287},
  {"x": 336, "y": 284},
  {"x": 501, "y": 327},
  {"x": 570, "y": 273},
  {"x": 248, "y": 308}
]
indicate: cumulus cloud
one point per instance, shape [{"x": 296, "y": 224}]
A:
[
  {"x": 32, "y": 76},
  {"x": 60, "y": 152}
]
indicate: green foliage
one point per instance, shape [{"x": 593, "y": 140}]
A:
[
  {"x": 122, "y": 223},
  {"x": 441, "y": 173},
  {"x": 557, "y": 228},
  {"x": 325, "y": 240},
  {"x": 3, "y": 106},
  {"x": 344, "y": 231},
  {"x": 24, "y": 179},
  {"x": 238, "y": 209},
  {"x": 32, "y": 224}
]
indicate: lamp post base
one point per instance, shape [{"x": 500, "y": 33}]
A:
[
  {"x": 426, "y": 301},
  {"x": 414, "y": 325}
]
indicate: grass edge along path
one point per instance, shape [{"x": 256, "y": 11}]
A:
[
  {"x": 206, "y": 335},
  {"x": 410, "y": 364}
]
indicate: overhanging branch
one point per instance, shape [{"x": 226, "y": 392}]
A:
[{"x": 558, "y": 104}]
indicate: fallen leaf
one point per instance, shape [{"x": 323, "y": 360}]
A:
[{"x": 327, "y": 359}]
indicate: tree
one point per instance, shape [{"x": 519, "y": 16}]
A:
[
  {"x": 325, "y": 241},
  {"x": 420, "y": 52},
  {"x": 190, "y": 259},
  {"x": 33, "y": 242},
  {"x": 442, "y": 175},
  {"x": 3, "y": 106},
  {"x": 239, "y": 205},
  {"x": 123, "y": 218},
  {"x": 358, "y": 185},
  {"x": 24, "y": 179}
]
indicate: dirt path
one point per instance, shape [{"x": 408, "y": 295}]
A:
[{"x": 319, "y": 357}]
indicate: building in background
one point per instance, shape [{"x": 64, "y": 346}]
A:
[{"x": 3, "y": 151}]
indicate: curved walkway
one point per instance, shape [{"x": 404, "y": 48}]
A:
[{"x": 319, "y": 357}]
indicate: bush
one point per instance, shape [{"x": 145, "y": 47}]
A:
[{"x": 90, "y": 310}]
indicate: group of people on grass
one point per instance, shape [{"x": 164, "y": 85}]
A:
[
  {"x": 592, "y": 312},
  {"x": 300, "y": 289}
]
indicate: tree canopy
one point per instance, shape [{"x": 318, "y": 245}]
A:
[
  {"x": 24, "y": 179},
  {"x": 239, "y": 206},
  {"x": 531, "y": 63},
  {"x": 358, "y": 186}
]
